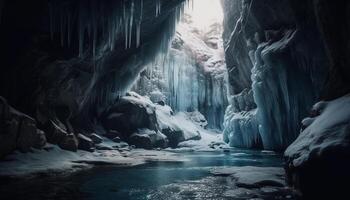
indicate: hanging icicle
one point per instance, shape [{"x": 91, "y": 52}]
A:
[
  {"x": 158, "y": 7},
  {"x": 99, "y": 24}
]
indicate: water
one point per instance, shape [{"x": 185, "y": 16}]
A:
[
  {"x": 156, "y": 180},
  {"x": 160, "y": 179}
]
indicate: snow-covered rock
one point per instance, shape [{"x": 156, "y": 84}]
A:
[
  {"x": 253, "y": 177},
  {"x": 177, "y": 128},
  {"x": 318, "y": 160},
  {"x": 136, "y": 119},
  {"x": 130, "y": 113}
]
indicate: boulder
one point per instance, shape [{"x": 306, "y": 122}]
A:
[
  {"x": 85, "y": 143},
  {"x": 69, "y": 142},
  {"x": 116, "y": 139},
  {"x": 111, "y": 134},
  {"x": 130, "y": 113},
  {"x": 317, "y": 162},
  {"x": 29, "y": 136},
  {"x": 8, "y": 136},
  {"x": 96, "y": 138},
  {"x": 148, "y": 139},
  {"x": 18, "y": 131},
  {"x": 56, "y": 134}
]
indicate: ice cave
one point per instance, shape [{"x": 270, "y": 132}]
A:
[{"x": 174, "y": 99}]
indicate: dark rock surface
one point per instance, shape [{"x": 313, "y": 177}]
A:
[
  {"x": 85, "y": 143},
  {"x": 18, "y": 131},
  {"x": 55, "y": 54},
  {"x": 129, "y": 114}
]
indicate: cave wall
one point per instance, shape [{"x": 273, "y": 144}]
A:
[
  {"x": 275, "y": 49},
  {"x": 76, "y": 54},
  {"x": 64, "y": 61}
]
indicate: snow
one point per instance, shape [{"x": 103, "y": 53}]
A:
[
  {"x": 252, "y": 177},
  {"x": 52, "y": 158},
  {"x": 328, "y": 130},
  {"x": 177, "y": 122},
  {"x": 211, "y": 140}
]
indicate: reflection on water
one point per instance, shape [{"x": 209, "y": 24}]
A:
[
  {"x": 156, "y": 181},
  {"x": 159, "y": 180}
]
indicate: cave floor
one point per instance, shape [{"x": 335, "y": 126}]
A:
[{"x": 228, "y": 174}]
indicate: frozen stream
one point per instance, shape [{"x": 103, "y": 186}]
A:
[{"x": 157, "y": 180}]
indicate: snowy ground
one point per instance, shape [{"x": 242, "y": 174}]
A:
[
  {"x": 211, "y": 141},
  {"x": 54, "y": 159}
]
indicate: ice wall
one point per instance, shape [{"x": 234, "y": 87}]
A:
[
  {"x": 282, "y": 99},
  {"x": 272, "y": 48},
  {"x": 176, "y": 80},
  {"x": 192, "y": 76},
  {"x": 241, "y": 126}
]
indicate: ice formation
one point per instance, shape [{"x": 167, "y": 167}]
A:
[
  {"x": 191, "y": 76},
  {"x": 281, "y": 102},
  {"x": 241, "y": 127}
]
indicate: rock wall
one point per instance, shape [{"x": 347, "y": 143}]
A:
[
  {"x": 299, "y": 54},
  {"x": 275, "y": 49}
]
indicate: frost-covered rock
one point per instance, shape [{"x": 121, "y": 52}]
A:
[
  {"x": 177, "y": 127},
  {"x": 317, "y": 162},
  {"x": 136, "y": 119}
]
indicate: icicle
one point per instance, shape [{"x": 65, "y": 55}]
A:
[
  {"x": 126, "y": 28},
  {"x": 138, "y": 26},
  {"x": 158, "y": 7},
  {"x": 131, "y": 22}
]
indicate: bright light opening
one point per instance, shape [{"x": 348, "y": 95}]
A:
[{"x": 205, "y": 13}]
